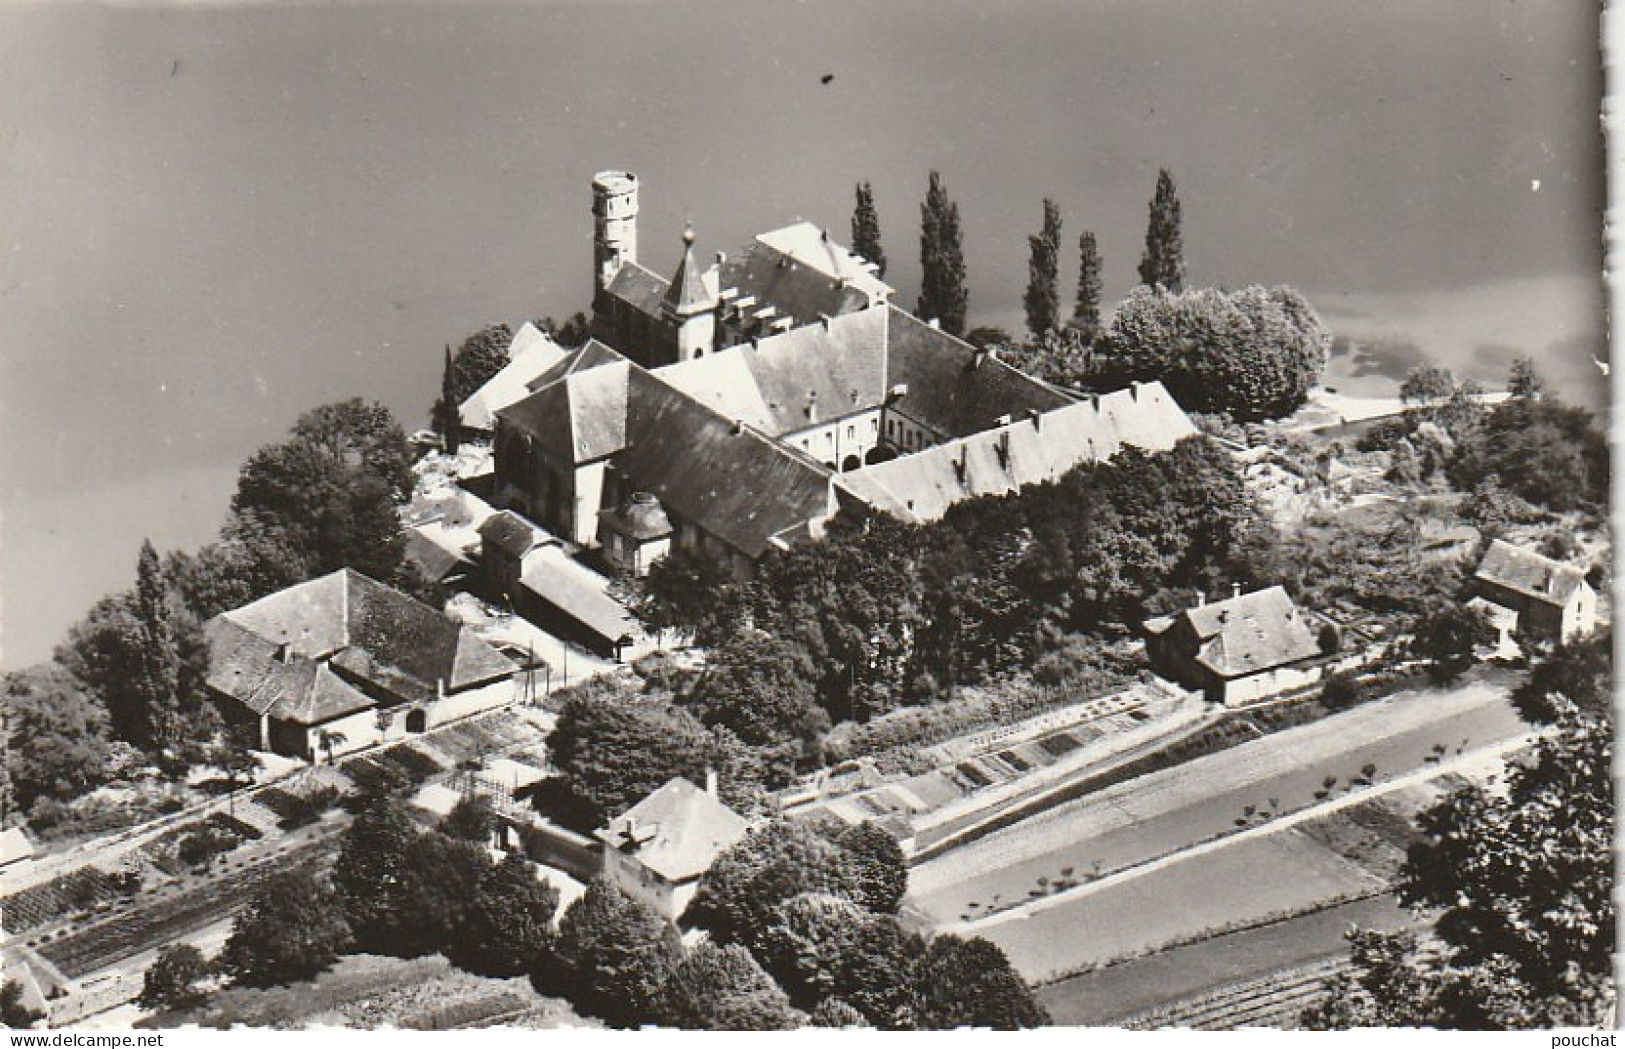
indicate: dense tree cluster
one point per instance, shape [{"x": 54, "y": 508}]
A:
[
  {"x": 889, "y": 613},
  {"x": 1528, "y": 454},
  {"x": 293, "y": 929},
  {"x": 819, "y": 914},
  {"x": 1250, "y": 354},
  {"x": 1519, "y": 886}
]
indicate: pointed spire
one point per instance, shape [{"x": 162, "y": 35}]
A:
[{"x": 688, "y": 293}]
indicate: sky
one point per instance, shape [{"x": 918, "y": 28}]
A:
[{"x": 218, "y": 215}]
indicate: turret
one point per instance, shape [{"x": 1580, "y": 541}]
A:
[
  {"x": 691, "y": 304},
  {"x": 615, "y": 222}
]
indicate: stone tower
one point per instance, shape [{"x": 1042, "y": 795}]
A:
[{"x": 615, "y": 222}]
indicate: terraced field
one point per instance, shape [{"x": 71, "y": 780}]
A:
[
  {"x": 1276, "y": 1000},
  {"x": 172, "y": 913},
  {"x": 83, "y": 889}
]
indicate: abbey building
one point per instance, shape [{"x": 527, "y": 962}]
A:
[{"x": 738, "y": 406}]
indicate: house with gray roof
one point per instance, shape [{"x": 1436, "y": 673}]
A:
[
  {"x": 1547, "y": 599},
  {"x": 657, "y": 850},
  {"x": 343, "y": 661},
  {"x": 1237, "y": 651}
]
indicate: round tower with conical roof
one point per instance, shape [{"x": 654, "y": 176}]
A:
[{"x": 615, "y": 222}]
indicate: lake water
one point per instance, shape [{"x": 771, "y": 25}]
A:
[{"x": 217, "y": 215}]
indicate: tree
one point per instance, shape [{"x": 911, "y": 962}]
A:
[
  {"x": 738, "y": 897},
  {"x": 621, "y": 952},
  {"x": 943, "y": 296},
  {"x": 1577, "y": 676},
  {"x": 254, "y": 556},
  {"x": 13, "y": 1013},
  {"x": 142, "y": 654},
  {"x": 334, "y": 486},
  {"x": 1544, "y": 451},
  {"x": 447, "y": 411},
  {"x": 970, "y": 983},
  {"x": 866, "y": 229},
  {"x": 572, "y": 334},
  {"x": 687, "y": 591},
  {"x": 171, "y": 980},
  {"x": 834, "y": 1013},
  {"x": 439, "y": 898},
  {"x": 808, "y": 943},
  {"x": 1086, "y": 311},
  {"x": 1519, "y": 884},
  {"x": 1341, "y": 691},
  {"x": 56, "y": 736},
  {"x": 471, "y": 819},
  {"x": 511, "y": 933},
  {"x": 1427, "y": 383},
  {"x": 722, "y": 988},
  {"x": 1251, "y": 354},
  {"x": 615, "y": 748},
  {"x": 154, "y": 680},
  {"x": 371, "y": 873},
  {"x": 1163, "y": 264},
  {"x": 760, "y": 688},
  {"x": 1043, "y": 299},
  {"x": 478, "y": 359},
  {"x": 1448, "y": 635},
  {"x": 292, "y": 930},
  {"x": 878, "y": 869},
  {"x": 1523, "y": 381}
]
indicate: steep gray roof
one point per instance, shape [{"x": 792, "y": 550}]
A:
[
  {"x": 578, "y": 418},
  {"x": 1525, "y": 572},
  {"x": 301, "y": 653},
  {"x": 677, "y": 832},
  {"x": 638, "y": 287},
  {"x": 1030, "y": 450},
  {"x": 952, "y": 387},
  {"x": 1248, "y": 634},
  {"x": 734, "y": 482}
]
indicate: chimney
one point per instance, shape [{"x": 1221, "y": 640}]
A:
[
  {"x": 1037, "y": 417},
  {"x": 722, "y": 256},
  {"x": 1235, "y": 591},
  {"x": 711, "y": 782},
  {"x": 812, "y": 406},
  {"x": 1134, "y": 392},
  {"x": 738, "y": 427},
  {"x": 1201, "y": 598}
]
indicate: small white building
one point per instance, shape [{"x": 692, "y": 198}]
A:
[
  {"x": 1237, "y": 651},
  {"x": 1549, "y": 599},
  {"x": 657, "y": 850}
]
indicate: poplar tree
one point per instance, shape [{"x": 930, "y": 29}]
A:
[
  {"x": 447, "y": 421},
  {"x": 1164, "y": 262},
  {"x": 866, "y": 229},
  {"x": 943, "y": 295},
  {"x": 1043, "y": 299},
  {"x": 1086, "y": 312},
  {"x": 155, "y": 657}
]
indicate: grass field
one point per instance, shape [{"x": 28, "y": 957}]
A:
[
  {"x": 1244, "y": 882},
  {"x": 1107, "y": 996}
]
